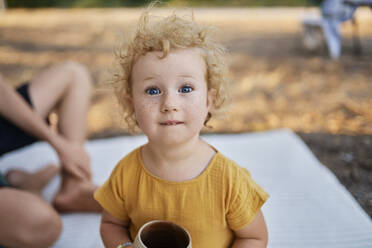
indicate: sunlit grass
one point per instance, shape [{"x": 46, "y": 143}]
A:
[{"x": 274, "y": 82}]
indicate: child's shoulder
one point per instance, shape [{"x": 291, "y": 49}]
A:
[
  {"x": 129, "y": 160},
  {"x": 127, "y": 167},
  {"x": 229, "y": 167}
]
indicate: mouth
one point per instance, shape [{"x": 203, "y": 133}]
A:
[{"x": 171, "y": 123}]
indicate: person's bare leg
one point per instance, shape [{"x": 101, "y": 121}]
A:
[
  {"x": 67, "y": 86},
  {"x": 27, "y": 220},
  {"x": 76, "y": 196},
  {"x": 33, "y": 182}
]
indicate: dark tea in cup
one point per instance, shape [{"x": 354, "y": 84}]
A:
[{"x": 162, "y": 234}]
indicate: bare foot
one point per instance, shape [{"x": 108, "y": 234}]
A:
[
  {"x": 32, "y": 182},
  {"x": 76, "y": 195}
]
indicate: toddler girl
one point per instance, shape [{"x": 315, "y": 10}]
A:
[{"x": 173, "y": 77}]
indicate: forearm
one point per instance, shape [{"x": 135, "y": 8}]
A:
[
  {"x": 248, "y": 243},
  {"x": 114, "y": 235},
  {"x": 17, "y": 111}
]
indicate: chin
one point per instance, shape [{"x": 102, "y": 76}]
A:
[{"x": 172, "y": 141}]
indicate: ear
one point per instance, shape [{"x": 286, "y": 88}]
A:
[{"x": 211, "y": 96}]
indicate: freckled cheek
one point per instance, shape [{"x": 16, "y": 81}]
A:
[
  {"x": 198, "y": 110},
  {"x": 144, "y": 111}
]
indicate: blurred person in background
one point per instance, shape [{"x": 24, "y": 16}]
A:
[
  {"x": 27, "y": 220},
  {"x": 334, "y": 12}
]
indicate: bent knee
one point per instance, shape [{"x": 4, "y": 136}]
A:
[
  {"x": 42, "y": 228},
  {"x": 79, "y": 73},
  {"x": 44, "y": 232},
  {"x": 38, "y": 225},
  {"x": 74, "y": 66}
]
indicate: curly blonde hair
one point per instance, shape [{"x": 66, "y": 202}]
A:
[{"x": 155, "y": 33}]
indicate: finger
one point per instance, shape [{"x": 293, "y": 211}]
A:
[
  {"x": 75, "y": 171},
  {"x": 84, "y": 172},
  {"x": 85, "y": 167},
  {"x": 87, "y": 173}
]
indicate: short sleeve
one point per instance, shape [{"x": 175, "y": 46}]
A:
[
  {"x": 111, "y": 197},
  {"x": 247, "y": 198}
]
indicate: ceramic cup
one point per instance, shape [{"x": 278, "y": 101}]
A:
[{"x": 162, "y": 234}]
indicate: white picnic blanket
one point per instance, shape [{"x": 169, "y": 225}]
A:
[{"x": 307, "y": 207}]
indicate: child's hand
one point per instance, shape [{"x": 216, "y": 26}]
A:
[{"x": 126, "y": 245}]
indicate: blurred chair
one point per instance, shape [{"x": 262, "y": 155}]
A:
[{"x": 333, "y": 12}]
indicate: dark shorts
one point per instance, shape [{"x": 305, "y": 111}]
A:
[
  {"x": 12, "y": 137},
  {"x": 3, "y": 182}
]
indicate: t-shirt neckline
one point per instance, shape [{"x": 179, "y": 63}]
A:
[{"x": 193, "y": 180}]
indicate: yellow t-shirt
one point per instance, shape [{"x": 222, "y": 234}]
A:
[{"x": 221, "y": 199}]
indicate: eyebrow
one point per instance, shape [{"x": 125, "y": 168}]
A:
[
  {"x": 148, "y": 78},
  {"x": 182, "y": 75},
  {"x": 185, "y": 76}
]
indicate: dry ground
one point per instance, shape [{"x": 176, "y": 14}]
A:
[{"x": 275, "y": 83}]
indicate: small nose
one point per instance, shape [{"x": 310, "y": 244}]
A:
[{"x": 169, "y": 103}]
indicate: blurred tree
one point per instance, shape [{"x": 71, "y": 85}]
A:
[
  {"x": 130, "y": 3},
  {"x": 74, "y": 3},
  {"x": 38, "y": 3},
  {"x": 109, "y": 3},
  {"x": 238, "y": 2},
  {"x": 2, "y": 4}
]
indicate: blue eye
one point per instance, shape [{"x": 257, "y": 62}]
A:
[
  {"x": 152, "y": 91},
  {"x": 186, "y": 89}
]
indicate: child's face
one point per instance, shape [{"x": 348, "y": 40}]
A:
[{"x": 170, "y": 96}]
